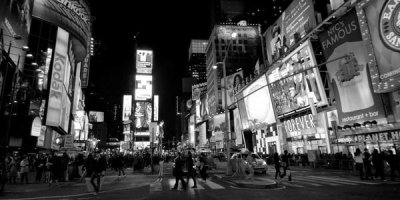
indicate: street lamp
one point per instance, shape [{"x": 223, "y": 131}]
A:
[{"x": 227, "y": 130}]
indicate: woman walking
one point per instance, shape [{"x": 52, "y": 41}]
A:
[{"x": 277, "y": 162}]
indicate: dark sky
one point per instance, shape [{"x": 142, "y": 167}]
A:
[{"x": 164, "y": 26}]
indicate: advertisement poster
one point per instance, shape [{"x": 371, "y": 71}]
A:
[
  {"x": 57, "y": 89},
  {"x": 96, "y": 116},
  {"x": 127, "y": 108},
  {"x": 143, "y": 87},
  {"x": 219, "y": 123},
  {"x": 15, "y": 21},
  {"x": 295, "y": 81},
  {"x": 155, "y": 108},
  {"x": 258, "y": 104},
  {"x": 238, "y": 126},
  {"x": 203, "y": 135},
  {"x": 233, "y": 81},
  {"x": 379, "y": 25},
  {"x": 355, "y": 100},
  {"x": 191, "y": 130},
  {"x": 144, "y": 61},
  {"x": 204, "y": 107},
  {"x": 143, "y": 111},
  {"x": 294, "y": 23},
  {"x": 243, "y": 113}
]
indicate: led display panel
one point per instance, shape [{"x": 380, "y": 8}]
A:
[
  {"x": 294, "y": 81},
  {"x": 95, "y": 116},
  {"x": 143, "y": 87},
  {"x": 127, "y": 107},
  {"x": 155, "y": 110},
  {"x": 144, "y": 61},
  {"x": 143, "y": 111}
]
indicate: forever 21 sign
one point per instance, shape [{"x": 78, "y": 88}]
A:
[{"x": 299, "y": 123}]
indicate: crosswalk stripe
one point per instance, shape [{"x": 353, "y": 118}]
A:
[
  {"x": 341, "y": 180},
  {"x": 336, "y": 182},
  {"x": 291, "y": 184},
  {"x": 199, "y": 187},
  {"x": 213, "y": 185},
  {"x": 330, "y": 183}
]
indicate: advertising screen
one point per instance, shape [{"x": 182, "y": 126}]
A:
[
  {"x": 355, "y": 99},
  {"x": 143, "y": 87},
  {"x": 233, "y": 81},
  {"x": 237, "y": 126},
  {"x": 57, "y": 90},
  {"x": 144, "y": 61},
  {"x": 379, "y": 25},
  {"x": 294, "y": 23},
  {"x": 294, "y": 81},
  {"x": 95, "y": 116},
  {"x": 143, "y": 111},
  {"x": 258, "y": 104},
  {"x": 15, "y": 21},
  {"x": 155, "y": 110},
  {"x": 127, "y": 107}
]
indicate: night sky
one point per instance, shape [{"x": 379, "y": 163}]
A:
[{"x": 164, "y": 26}]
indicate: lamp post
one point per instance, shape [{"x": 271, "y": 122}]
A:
[{"x": 227, "y": 136}]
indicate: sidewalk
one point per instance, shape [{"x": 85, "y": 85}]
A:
[{"x": 75, "y": 188}]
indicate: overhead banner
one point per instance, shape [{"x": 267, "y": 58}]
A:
[
  {"x": 143, "y": 87},
  {"x": 144, "y": 61},
  {"x": 355, "y": 99},
  {"x": 379, "y": 25},
  {"x": 57, "y": 89},
  {"x": 294, "y": 23},
  {"x": 258, "y": 106},
  {"x": 233, "y": 81},
  {"x": 295, "y": 81},
  {"x": 127, "y": 107}
]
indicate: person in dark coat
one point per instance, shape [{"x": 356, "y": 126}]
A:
[
  {"x": 191, "y": 173},
  {"x": 367, "y": 165},
  {"x": 394, "y": 165},
  {"x": 178, "y": 172},
  {"x": 277, "y": 162},
  {"x": 377, "y": 161}
]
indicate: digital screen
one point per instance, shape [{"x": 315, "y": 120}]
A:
[
  {"x": 95, "y": 116},
  {"x": 295, "y": 80},
  {"x": 144, "y": 61},
  {"x": 143, "y": 87},
  {"x": 127, "y": 107},
  {"x": 155, "y": 110},
  {"x": 143, "y": 111}
]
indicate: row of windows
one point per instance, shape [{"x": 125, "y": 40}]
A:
[{"x": 222, "y": 41}]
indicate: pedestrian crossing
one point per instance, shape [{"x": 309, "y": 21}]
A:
[
  {"x": 319, "y": 181},
  {"x": 166, "y": 184}
]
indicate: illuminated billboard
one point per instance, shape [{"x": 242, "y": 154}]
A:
[
  {"x": 354, "y": 96},
  {"x": 295, "y": 81},
  {"x": 155, "y": 108},
  {"x": 233, "y": 81},
  {"x": 143, "y": 87},
  {"x": 56, "y": 104},
  {"x": 295, "y": 22},
  {"x": 95, "y": 116},
  {"x": 144, "y": 61},
  {"x": 379, "y": 24},
  {"x": 257, "y": 105},
  {"x": 143, "y": 111},
  {"x": 127, "y": 107}
]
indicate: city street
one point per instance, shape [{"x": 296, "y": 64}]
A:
[{"x": 306, "y": 184}]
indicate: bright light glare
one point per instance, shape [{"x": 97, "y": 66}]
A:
[
  {"x": 214, "y": 66},
  {"x": 234, "y": 34}
]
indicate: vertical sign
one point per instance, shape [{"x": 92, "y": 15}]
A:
[
  {"x": 54, "y": 105},
  {"x": 153, "y": 131},
  {"x": 155, "y": 109},
  {"x": 144, "y": 61},
  {"x": 127, "y": 108}
]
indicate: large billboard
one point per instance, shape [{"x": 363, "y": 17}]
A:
[
  {"x": 15, "y": 21},
  {"x": 258, "y": 106},
  {"x": 143, "y": 87},
  {"x": 294, "y": 81},
  {"x": 233, "y": 81},
  {"x": 57, "y": 91},
  {"x": 355, "y": 99},
  {"x": 144, "y": 61},
  {"x": 379, "y": 25},
  {"x": 294, "y": 23},
  {"x": 143, "y": 112},
  {"x": 127, "y": 107}
]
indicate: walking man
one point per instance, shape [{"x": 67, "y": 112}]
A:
[
  {"x": 178, "y": 172},
  {"x": 191, "y": 173}
]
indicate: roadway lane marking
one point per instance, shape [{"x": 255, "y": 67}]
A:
[
  {"x": 330, "y": 182},
  {"x": 291, "y": 185},
  {"x": 155, "y": 187},
  {"x": 213, "y": 185},
  {"x": 340, "y": 180}
]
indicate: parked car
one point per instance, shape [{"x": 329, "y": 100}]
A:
[{"x": 260, "y": 166}]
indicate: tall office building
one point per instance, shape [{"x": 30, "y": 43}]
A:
[{"x": 197, "y": 60}]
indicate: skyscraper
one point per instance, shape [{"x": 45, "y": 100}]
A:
[{"x": 197, "y": 60}]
